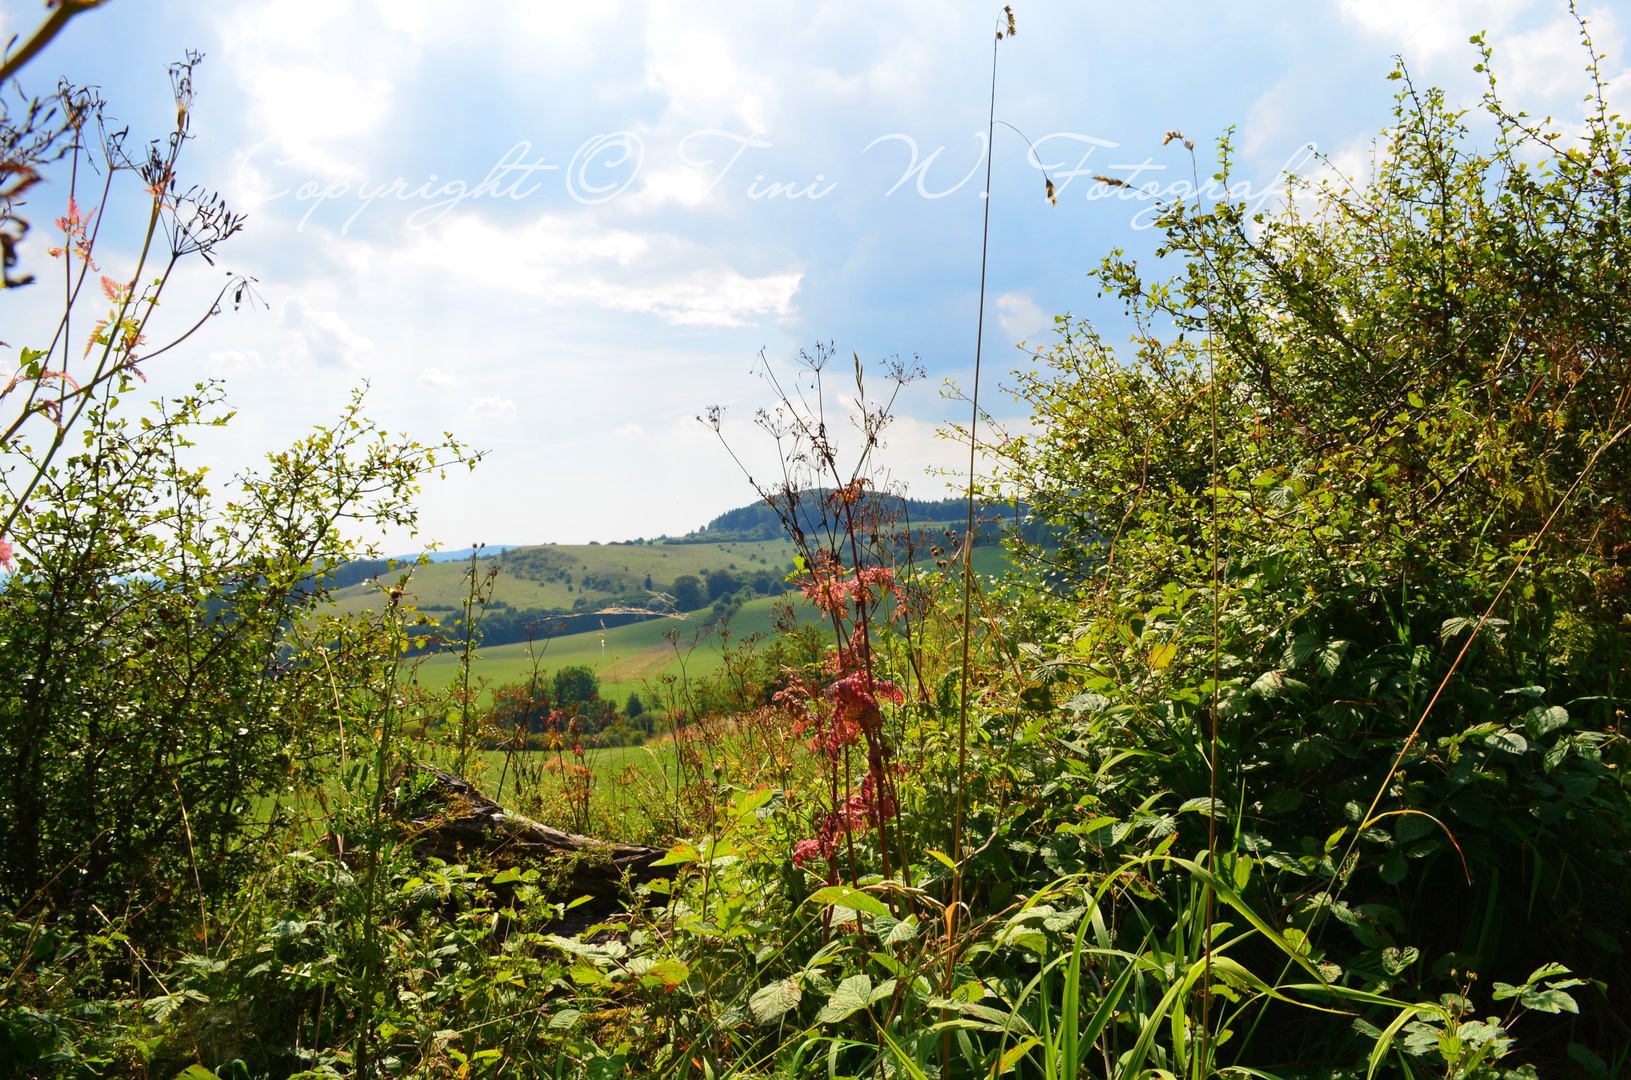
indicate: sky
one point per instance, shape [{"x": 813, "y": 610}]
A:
[{"x": 562, "y": 232}]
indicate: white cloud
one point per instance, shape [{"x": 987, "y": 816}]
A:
[
  {"x": 319, "y": 337},
  {"x": 493, "y": 408},
  {"x": 235, "y": 362},
  {"x": 1426, "y": 31},
  {"x": 1019, "y": 315},
  {"x": 576, "y": 261},
  {"x": 1536, "y": 42},
  {"x": 433, "y": 378},
  {"x": 630, "y": 431}
]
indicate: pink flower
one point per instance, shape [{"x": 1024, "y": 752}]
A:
[
  {"x": 5, "y": 553},
  {"x": 805, "y": 850}
]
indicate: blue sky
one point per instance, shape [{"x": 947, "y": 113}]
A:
[{"x": 574, "y": 317}]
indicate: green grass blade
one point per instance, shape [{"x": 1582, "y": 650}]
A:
[{"x": 1379, "y": 1051}]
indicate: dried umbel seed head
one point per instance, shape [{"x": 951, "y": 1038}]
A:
[
  {"x": 1052, "y": 198},
  {"x": 1189, "y": 144},
  {"x": 1009, "y": 11},
  {"x": 1111, "y": 180}
]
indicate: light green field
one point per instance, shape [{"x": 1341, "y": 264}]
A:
[
  {"x": 624, "y": 657},
  {"x": 623, "y": 568}
]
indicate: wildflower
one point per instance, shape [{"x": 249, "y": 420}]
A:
[
  {"x": 5, "y": 553},
  {"x": 805, "y": 850}
]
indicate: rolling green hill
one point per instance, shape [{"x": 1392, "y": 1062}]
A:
[
  {"x": 557, "y": 576},
  {"x": 624, "y": 656}
]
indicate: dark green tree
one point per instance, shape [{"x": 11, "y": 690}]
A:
[
  {"x": 723, "y": 583},
  {"x": 576, "y": 685},
  {"x": 688, "y": 592}
]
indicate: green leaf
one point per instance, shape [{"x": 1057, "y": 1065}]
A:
[
  {"x": 855, "y": 899},
  {"x": 196, "y": 1072},
  {"x": 680, "y": 853},
  {"x": 1011, "y": 1058},
  {"x": 770, "y": 1002},
  {"x": 1549, "y": 1001},
  {"x": 905, "y": 930},
  {"x": 1542, "y": 721},
  {"x": 853, "y": 993},
  {"x": 605, "y": 1068},
  {"x": 1412, "y": 827},
  {"x": 1394, "y": 869},
  {"x": 1330, "y": 657},
  {"x": 1546, "y": 971},
  {"x": 1595, "y": 1066},
  {"x": 1509, "y": 742}
]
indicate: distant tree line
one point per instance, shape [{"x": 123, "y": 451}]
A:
[{"x": 759, "y": 521}]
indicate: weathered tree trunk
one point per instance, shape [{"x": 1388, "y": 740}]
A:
[{"x": 452, "y": 820}]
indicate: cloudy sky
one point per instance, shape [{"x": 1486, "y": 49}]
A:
[{"x": 562, "y": 231}]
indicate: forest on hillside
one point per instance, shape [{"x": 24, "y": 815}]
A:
[{"x": 1291, "y": 747}]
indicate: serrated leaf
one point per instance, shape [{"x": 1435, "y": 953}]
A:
[
  {"x": 666, "y": 972},
  {"x": 1542, "y": 721},
  {"x": 853, "y": 993},
  {"x": 1546, "y": 971},
  {"x": 1063, "y": 920},
  {"x": 565, "y": 1020},
  {"x": 1201, "y": 804},
  {"x": 1300, "y": 649},
  {"x": 1397, "y": 960},
  {"x": 770, "y": 1002},
  {"x": 1412, "y": 827},
  {"x": 1330, "y": 657},
  {"x": 854, "y": 899},
  {"x": 905, "y": 930},
  {"x": 1086, "y": 702},
  {"x": 1549, "y": 1001},
  {"x": 1394, "y": 869},
  {"x": 1509, "y": 742}
]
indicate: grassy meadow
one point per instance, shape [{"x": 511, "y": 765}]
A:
[
  {"x": 615, "y": 571},
  {"x": 625, "y": 657}
]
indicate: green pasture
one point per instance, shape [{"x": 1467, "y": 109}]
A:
[
  {"x": 624, "y": 657},
  {"x": 446, "y": 584}
]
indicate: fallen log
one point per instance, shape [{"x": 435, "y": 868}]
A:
[{"x": 450, "y": 819}]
